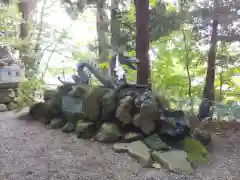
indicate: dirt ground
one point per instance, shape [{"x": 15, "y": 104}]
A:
[{"x": 30, "y": 151}]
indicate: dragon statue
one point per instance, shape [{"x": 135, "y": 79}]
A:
[{"x": 112, "y": 81}]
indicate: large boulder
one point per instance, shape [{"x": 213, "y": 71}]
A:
[
  {"x": 144, "y": 122},
  {"x": 72, "y": 111},
  {"x": 85, "y": 129},
  {"x": 57, "y": 123},
  {"x": 148, "y": 112},
  {"x": 123, "y": 112},
  {"x": 93, "y": 102},
  {"x": 53, "y": 105},
  {"x": 108, "y": 132},
  {"x": 109, "y": 105}
]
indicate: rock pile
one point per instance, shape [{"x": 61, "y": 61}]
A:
[
  {"x": 130, "y": 117},
  {"x": 8, "y": 94}
]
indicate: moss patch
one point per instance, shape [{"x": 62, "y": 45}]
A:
[{"x": 197, "y": 153}]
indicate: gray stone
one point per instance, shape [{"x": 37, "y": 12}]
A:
[
  {"x": 120, "y": 147},
  {"x": 174, "y": 160},
  {"x": 4, "y": 99},
  {"x": 140, "y": 151},
  {"x": 85, "y": 129},
  {"x": 68, "y": 127},
  {"x": 3, "y": 108},
  {"x": 11, "y": 93},
  {"x": 57, "y": 123},
  {"x": 12, "y": 106},
  {"x": 9, "y": 85},
  {"x": 49, "y": 94},
  {"x": 124, "y": 109},
  {"x": 203, "y": 136},
  {"x": 132, "y": 136},
  {"x": 144, "y": 122},
  {"x": 72, "y": 105},
  {"x": 154, "y": 142},
  {"x": 108, "y": 132}
]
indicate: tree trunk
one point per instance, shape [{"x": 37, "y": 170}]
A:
[
  {"x": 115, "y": 31},
  {"x": 208, "y": 93},
  {"x": 102, "y": 28},
  {"x": 24, "y": 8},
  {"x": 187, "y": 64},
  {"x": 142, "y": 40}
]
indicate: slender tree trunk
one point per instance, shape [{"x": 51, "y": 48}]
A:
[
  {"x": 221, "y": 76},
  {"x": 208, "y": 93},
  {"x": 115, "y": 32},
  {"x": 102, "y": 28},
  {"x": 24, "y": 8},
  {"x": 142, "y": 40},
  {"x": 187, "y": 62}
]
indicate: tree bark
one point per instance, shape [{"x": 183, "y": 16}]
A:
[
  {"x": 24, "y": 10},
  {"x": 115, "y": 31},
  {"x": 208, "y": 93},
  {"x": 142, "y": 40},
  {"x": 102, "y": 28},
  {"x": 23, "y": 7}
]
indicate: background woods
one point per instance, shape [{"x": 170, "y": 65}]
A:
[{"x": 188, "y": 50}]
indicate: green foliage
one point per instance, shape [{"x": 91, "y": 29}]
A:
[
  {"x": 169, "y": 69},
  {"x": 9, "y": 25},
  {"x": 27, "y": 92}
]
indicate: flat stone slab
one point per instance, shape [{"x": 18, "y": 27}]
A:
[
  {"x": 154, "y": 142},
  {"x": 121, "y": 147},
  {"x": 174, "y": 160},
  {"x": 140, "y": 151}
]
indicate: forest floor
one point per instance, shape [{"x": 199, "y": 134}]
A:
[{"x": 28, "y": 150}]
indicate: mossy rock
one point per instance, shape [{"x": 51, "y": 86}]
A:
[
  {"x": 49, "y": 94},
  {"x": 79, "y": 90},
  {"x": 85, "y": 129},
  {"x": 57, "y": 123},
  {"x": 53, "y": 106},
  {"x": 154, "y": 142},
  {"x": 109, "y": 105},
  {"x": 92, "y": 103},
  {"x": 64, "y": 89},
  {"x": 68, "y": 127},
  {"x": 197, "y": 152},
  {"x": 12, "y": 106},
  {"x": 108, "y": 132}
]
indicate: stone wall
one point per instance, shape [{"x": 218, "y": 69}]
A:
[
  {"x": 131, "y": 118},
  {"x": 8, "y": 94}
]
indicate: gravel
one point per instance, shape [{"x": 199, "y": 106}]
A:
[{"x": 30, "y": 151}]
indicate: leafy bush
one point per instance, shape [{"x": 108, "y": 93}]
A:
[{"x": 26, "y": 94}]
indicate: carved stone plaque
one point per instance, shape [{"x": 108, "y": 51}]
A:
[{"x": 72, "y": 105}]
